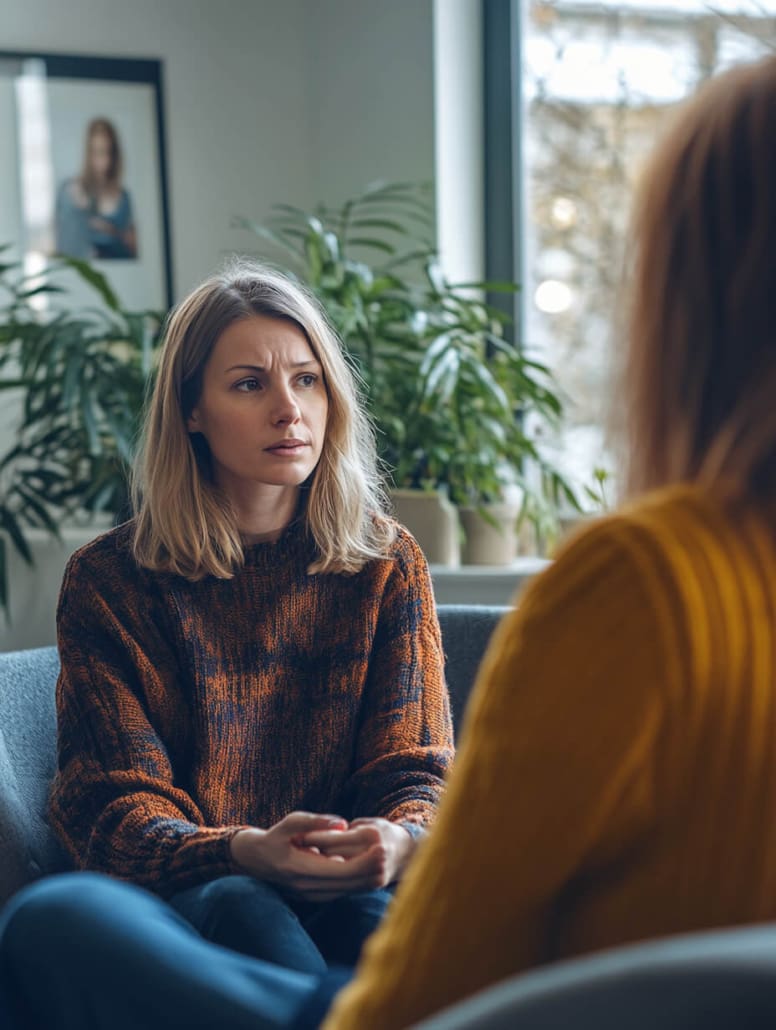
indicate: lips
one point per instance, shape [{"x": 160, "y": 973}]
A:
[{"x": 287, "y": 447}]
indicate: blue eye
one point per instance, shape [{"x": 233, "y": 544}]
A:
[
  {"x": 247, "y": 385},
  {"x": 308, "y": 379}
]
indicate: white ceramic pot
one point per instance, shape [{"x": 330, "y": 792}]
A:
[
  {"x": 486, "y": 544},
  {"x": 433, "y": 521}
]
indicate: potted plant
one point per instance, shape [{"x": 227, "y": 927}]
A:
[
  {"x": 447, "y": 394},
  {"x": 79, "y": 378}
]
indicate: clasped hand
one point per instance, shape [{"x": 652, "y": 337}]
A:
[{"x": 321, "y": 857}]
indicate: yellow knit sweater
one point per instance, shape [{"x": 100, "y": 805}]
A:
[{"x": 617, "y": 772}]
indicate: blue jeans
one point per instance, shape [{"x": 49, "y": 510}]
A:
[
  {"x": 259, "y": 920},
  {"x": 81, "y": 951}
]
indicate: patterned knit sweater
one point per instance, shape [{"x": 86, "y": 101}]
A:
[
  {"x": 188, "y": 710},
  {"x": 616, "y": 778}
]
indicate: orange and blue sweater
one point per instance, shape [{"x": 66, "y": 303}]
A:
[{"x": 187, "y": 710}]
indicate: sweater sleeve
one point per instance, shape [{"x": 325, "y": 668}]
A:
[
  {"x": 555, "y": 766},
  {"x": 115, "y": 803},
  {"x": 405, "y": 739}
]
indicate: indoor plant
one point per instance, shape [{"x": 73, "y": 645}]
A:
[
  {"x": 448, "y": 395},
  {"x": 80, "y": 379}
]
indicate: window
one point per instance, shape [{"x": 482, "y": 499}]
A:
[{"x": 597, "y": 82}]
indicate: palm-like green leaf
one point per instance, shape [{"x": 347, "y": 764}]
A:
[
  {"x": 83, "y": 377},
  {"x": 93, "y": 278}
]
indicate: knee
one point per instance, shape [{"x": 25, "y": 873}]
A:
[
  {"x": 235, "y": 894},
  {"x": 215, "y": 908},
  {"x": 54, "y": 911},
  {"x": 240, "y": 900},
  {"x": 363, "y": 904},
  {"x": 30, "y": 915}
]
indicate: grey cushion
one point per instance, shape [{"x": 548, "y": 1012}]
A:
[{"x": 28, "y": 739}]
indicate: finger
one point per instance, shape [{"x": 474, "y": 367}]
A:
[
  {"x": 331, "y": 838},
  {"x": 298, "y": 823},
  {"x": 359, "y": 838},
  {"x": 309, "y": 860},
  {"x": 329, "y": 856},
  {"x": 364, "y": 865},
  {"x": 317, "y": 866},
  {"x": 375, "y": 827},
  {"x": 348, "y": 851},
  {"x": 325, "y": 870},
  {"x": 344, "y": 854}
]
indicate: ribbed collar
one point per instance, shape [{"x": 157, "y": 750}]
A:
[{"x": 293, "y": 543}]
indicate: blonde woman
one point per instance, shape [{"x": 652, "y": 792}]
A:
[{"x": 256, "y": 655}]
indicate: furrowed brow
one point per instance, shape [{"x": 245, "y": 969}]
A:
[{"x": 307, "y": 363}]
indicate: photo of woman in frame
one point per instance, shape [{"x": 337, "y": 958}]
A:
[{"x": 94, "y": 215}]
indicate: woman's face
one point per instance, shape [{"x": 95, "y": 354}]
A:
[
  {"x": 100, "y": 153},
  {"x": 263, "y": 406}
]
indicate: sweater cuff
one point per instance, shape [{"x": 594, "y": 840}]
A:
[
  {"x": 203, "y": 855},
  {"x": 234, "y": 867},
  {"x": 415, "y": 830}
]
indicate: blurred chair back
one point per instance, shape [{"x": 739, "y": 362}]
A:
[{"x": 714, "y": 980}]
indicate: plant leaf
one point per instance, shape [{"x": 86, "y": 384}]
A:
[{"x": 95, "y": 279}]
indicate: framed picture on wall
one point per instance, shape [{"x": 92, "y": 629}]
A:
[{"x": 83, "y": 170}]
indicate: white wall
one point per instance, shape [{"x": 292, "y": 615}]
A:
[
  {"x": 459, "y": 137},
  {"x": 397, "y": 93},
  {"x": 266, "y": 100},
  {"x": 371, "y": 93},
  {"x": 237, "y": 102}
]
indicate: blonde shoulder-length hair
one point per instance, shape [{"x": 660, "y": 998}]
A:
[{"x": 184, "y": 524}]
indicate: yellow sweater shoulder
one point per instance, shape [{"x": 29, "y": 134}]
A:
[{"x": 566, "y": 769}]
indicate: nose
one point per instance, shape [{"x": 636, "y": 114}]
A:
[{"x": 285, "y": 409}]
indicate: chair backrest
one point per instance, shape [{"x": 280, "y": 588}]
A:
[
  {"x": 711, "y": 980},
  {"x": 466, "y": 630},
  {"x": 28, "y": 848}
]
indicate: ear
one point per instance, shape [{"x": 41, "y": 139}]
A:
[{"x": 192, "y": 422}]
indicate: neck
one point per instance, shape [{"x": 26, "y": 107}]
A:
[{"x": 264, "y": 514}]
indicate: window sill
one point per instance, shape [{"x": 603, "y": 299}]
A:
[{"x": 484, "y": 584}]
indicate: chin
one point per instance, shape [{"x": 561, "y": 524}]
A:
[{"x": 289, "y": 479}]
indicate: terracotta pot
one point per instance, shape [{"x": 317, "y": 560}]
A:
[
  {"x": 486, "y": 544},
  {"x": 433, "y": 521}
]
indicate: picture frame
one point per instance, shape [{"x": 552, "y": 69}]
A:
[{"x": 85, "y": 169}]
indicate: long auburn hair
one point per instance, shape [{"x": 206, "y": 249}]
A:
[
  {"x": 700, "y": 371},
  {"x": 89, "y": 181},
  {"x": 184, "y": 524}
]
